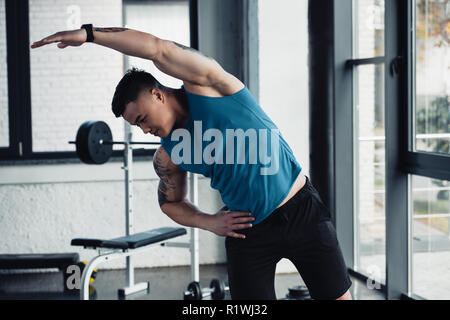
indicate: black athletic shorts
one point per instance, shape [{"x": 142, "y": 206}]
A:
[{"x": 300, "y": 231}]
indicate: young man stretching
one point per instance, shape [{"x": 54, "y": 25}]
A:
[{"x": 272, "y": 211}]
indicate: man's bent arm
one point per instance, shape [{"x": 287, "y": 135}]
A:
[
  {"x": 186, "y": 214},
  {"x": 172, "y": 191}
]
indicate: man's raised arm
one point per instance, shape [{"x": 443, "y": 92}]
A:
[{"x": 174, "y": 59}]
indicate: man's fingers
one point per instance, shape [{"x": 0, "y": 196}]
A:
[
  {"x": 57, "y": 37},
  {"x": 42, "y": 43},
  {"x": 243, "y": 220},
  {"x": 236, "y": 235},
  {"x": 241, "y": 226},
  {"x": 37, "y": 44},
  {"x": 239, "y": 214}
]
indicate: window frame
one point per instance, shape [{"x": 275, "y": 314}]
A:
[{"x": 400, "y": 159}]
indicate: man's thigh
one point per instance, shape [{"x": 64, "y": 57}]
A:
[{"x": 251, "y": 271}]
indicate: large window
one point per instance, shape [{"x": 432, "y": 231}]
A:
[
  {"x": 398, "y": 72},
  {"x": 430, "y": 210},
  {"x": 369, "y": 137}
]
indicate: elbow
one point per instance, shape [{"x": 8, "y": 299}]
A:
[
  {"x": 163, "y": 207},
  {"x": 156, "y": 48},
  {"x": 171, "y": 209}
]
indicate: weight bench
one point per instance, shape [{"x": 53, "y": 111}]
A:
[
  {"x": 123, "y": 247},
  {"x": 39, "y": 261}
]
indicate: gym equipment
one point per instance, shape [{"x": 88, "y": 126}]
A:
[
  {"x": 133, "y": 241},
  {"x": 40, "y": 261},
  {"x": 216, "y": 290},
  {"x": 123, "y": 247},
  {"x": 94, "y": 142},
  {"x": 82, "y": 265},
  {"x": 298, "y": 293}
]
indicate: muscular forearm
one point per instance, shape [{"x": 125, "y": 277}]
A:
[
  {"x": 186, "y": 214},
  {"x": 128, "y": 41}
]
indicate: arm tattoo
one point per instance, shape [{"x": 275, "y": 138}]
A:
[
  {"x": 111, "y": 29},
  {"x": 166, "y": 186},
  {"x": 190, "y": 49}
]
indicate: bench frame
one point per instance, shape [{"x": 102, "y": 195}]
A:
[{"x": 109, "y": 256}]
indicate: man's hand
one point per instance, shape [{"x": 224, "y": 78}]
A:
[
  {"x": 64, "y": 39},
  {"x": 224, "y": 223}
]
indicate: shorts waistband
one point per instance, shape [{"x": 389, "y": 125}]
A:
[{"x": 296, "y": 197}]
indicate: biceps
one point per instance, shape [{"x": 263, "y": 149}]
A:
[
  {"x": 188, "y": 64},
  {"x": 172, "y": 188}
]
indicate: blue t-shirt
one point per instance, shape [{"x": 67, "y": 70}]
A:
[{"x": 232, "y": 141}]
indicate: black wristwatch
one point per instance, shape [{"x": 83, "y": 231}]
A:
[{"x": 89, "y": 31}]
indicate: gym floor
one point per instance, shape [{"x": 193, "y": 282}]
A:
[{"x": 165, "y": 284}]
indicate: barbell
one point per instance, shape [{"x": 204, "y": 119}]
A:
[{"x": 94, "y": 142}]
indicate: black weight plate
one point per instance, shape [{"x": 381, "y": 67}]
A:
[
  {"x": 99, "y": 153},
  {"x": 89, "y": 149},
  {"x": 219, "y": 289},
  {"x": 298, "y": 292},
  {"x": 196, "y": 290},
  {"x": 82, "y": 142}
]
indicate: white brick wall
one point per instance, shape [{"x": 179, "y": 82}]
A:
[
  {"x": 4, "y": 116},
  {"x": 75, "y": 84},
  {"x": 43, "y": 217}
]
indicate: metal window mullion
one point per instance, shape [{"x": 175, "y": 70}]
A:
[
  {"x": 343, "y": 126},
  {"x": 397, "y": 186},
  {"x": 25, "y": 76},
  {"x": 13, "y": 65}
]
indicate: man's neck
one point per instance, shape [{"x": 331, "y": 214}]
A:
[{"x": 181, "y": 107}]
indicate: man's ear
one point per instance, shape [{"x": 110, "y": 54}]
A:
[{"x": 157, "y": 94}]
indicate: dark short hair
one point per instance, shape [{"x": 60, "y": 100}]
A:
[{"x": 129, "y": 87}]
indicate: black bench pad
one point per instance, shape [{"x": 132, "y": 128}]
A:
[
  {"x": 31, "y": 261},
  {"x": 133, "y": 241}
]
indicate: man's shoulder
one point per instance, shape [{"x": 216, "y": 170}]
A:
[{"x": 224, "y": 88}]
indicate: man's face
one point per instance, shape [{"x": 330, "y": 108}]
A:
[{"x": 150, "y": 112}]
